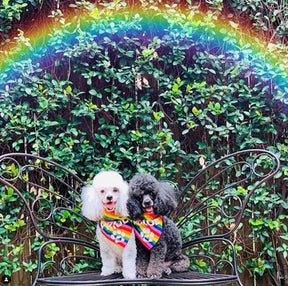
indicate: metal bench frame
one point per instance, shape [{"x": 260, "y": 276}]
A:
[{"x": 51, "y": 195}]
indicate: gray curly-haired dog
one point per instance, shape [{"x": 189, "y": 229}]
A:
[{"x": 148, "y": 195}]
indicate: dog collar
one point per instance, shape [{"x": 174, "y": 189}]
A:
[
  {"x": 117, "y": 229},
  {"x": 148, "y": 229}
]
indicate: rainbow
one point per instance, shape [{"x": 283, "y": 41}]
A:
[{"x": 40, "y": 39}]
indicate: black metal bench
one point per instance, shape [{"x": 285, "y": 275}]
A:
[{"x": 209, "y": 212}]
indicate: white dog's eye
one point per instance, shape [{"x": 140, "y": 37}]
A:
[
  {"x": 102, "y": 191},
  {"x": 115, "y": 190}
]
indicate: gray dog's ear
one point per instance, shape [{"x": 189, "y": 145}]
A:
[
  {"x": 134, "y": 208},
  {"x": 165, "y": 201}
]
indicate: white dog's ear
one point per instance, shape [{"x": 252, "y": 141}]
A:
[
  {"x": 91, "y": 205},
  {"x": 121, "y": 205}
]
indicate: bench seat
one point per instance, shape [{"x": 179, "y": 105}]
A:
[{"x": 94, "y": 278}]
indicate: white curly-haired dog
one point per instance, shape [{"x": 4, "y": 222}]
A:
[{"x": 105, "y": 201}]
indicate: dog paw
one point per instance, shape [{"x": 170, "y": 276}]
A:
[
  {"x": 167, "y": 271},
  {"x": 118, "y": 269},
  {"x": 106, "y": 272},
  {"x": 129, "y": 275},
  {"x": 154, "y": 274},
  {"x": 141, "y": 272}
]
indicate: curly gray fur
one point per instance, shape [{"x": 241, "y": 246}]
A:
[{"x": 166, "y": 256}]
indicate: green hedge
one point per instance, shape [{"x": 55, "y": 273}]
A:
[{"x": 153, "y": 92}]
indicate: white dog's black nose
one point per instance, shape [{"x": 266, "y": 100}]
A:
[{"x": 109, "y": 198}]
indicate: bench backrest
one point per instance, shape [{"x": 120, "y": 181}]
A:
[
  {"x": 51, "y": 194},
  {"x": 213, "y": 202}
]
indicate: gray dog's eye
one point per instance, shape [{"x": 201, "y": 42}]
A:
[{"x": 115, "y": 190}]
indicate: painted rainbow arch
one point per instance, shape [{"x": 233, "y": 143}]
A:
[{"x": 41, "y": 36}]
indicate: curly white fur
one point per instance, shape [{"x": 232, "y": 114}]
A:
[{"x": 109, "y": 190}]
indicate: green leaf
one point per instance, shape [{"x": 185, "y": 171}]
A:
[
  {"x": 147, "y": 52},
  {"x": 175, "y": 87},
  {"x": 217, "y": 106},
  {"x": 195, "y": 110},
  {"x": 69, "y": 89}
]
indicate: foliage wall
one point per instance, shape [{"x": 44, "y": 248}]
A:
[{"x": 150, "y": 86}]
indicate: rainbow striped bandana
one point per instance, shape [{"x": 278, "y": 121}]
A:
[
  {"x": 115, "y": 228},
  {"x": 149, "y": 229}
]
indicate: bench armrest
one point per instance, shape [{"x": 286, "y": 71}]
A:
[
  {"x": 66, "y": 256},
  {"x": 212, "y": 254}
]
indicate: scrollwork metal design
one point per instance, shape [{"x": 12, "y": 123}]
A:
[
  {"x": 10, "y": 170},
  {"x": 42, "y": 209},
  {"x": 234, "y": 209},
  {"x": 223, "y": 188}
]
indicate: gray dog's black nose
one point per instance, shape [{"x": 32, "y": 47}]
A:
[{"x": 147, "y": 202}]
